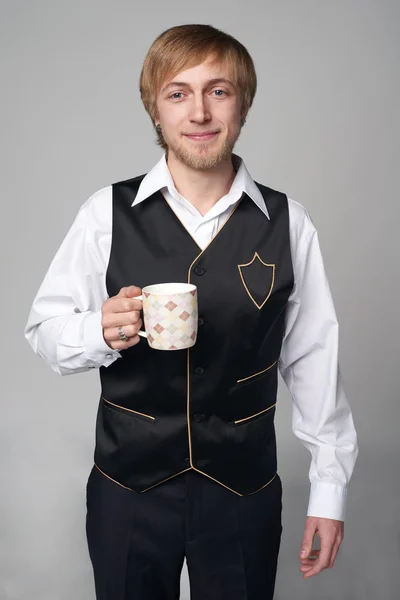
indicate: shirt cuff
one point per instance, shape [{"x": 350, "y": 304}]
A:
[
  {"x": 95, "y": 347},
  {"x": 327, "y": 500}
]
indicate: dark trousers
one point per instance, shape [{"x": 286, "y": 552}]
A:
[{"x": 137, "y": 542}]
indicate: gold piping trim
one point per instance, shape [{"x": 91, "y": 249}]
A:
[
  {"x": 216, "y": 480},
  {"x": 230, "y": 489},
  {"x": 171, "y": 477},
  {"x": 180, "y": 472},
  {"x": 129, "y": 409},
  {"x": 187, "y": 231},
  {"x": 244, "y": 283},
  {"x": 188, "y": 359},
  {"x": 265, "y": 485},
  {"x": 259, "y": 413},
  {"x": 259, "y": 372},
  {"x": 187, "y": 406},
  {"x": 149, "y": 488},
  {"x": 105, "y": 475},
  {"x": 213, "y": 238}
]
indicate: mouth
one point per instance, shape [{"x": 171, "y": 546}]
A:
[{"x": 201, "y": 137}]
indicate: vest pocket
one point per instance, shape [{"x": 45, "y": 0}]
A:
[
  {"x": 253, "y": 398},
  {"x": 254, "y": 417},
  {"x": 256, "y": 376},
  {"x": 134, "y": 413}
]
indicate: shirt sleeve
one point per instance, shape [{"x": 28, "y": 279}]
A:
[
  {"x": 64, "y": 324},
  {"x": 322, "y": 417}
]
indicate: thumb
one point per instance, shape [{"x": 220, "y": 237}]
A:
[
  {"x": 129, "y": 292},
  {"x": 308, "y": 538}
]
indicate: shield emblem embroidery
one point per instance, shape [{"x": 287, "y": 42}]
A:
[{"x": 258, "y": 279}]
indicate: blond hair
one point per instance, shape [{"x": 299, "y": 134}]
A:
[{"x": 186, "y": 46}]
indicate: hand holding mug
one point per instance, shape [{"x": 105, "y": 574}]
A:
[
  {"x": 170, "y": 316},
  {"x": 122, "y": 310}
]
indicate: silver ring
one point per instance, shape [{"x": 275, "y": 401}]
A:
[{"x": 122, "y": 335}]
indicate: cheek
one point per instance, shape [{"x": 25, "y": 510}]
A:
[
  {"x": 173, "y": 120},
  {"x": 230, "y": 116},
  {"x": 169, "y": 128},
  {"x": 234, "y": 124}
]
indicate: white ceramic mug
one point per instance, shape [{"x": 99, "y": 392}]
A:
[{"x": 170, "y": 315}]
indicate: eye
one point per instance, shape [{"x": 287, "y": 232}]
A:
[
  {"x": 219, "y": 93},
  {"x": 176, "y": 95}
]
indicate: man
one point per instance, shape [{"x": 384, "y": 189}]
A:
[{"x": 185, "y": 457}]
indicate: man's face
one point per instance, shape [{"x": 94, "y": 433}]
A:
[{"x": 199, "y": 111}]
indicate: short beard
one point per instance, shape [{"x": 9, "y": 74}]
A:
[{"x": 201, "y": 162}]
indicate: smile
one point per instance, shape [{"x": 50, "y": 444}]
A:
[{"x": 203, "y": 137}]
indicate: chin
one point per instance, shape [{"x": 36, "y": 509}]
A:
[
  {"x": 201, "y": 160},
  {"x": 203, "y": 156}
]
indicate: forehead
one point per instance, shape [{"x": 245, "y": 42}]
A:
[{"x": 209, "y": 69}]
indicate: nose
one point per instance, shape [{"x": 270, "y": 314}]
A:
[{"x": 199, "y": 112}]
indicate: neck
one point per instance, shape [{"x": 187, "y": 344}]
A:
[{"x": 201, "y": 188}]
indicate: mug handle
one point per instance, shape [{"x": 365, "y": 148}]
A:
[{"x": 140, "y": 332}]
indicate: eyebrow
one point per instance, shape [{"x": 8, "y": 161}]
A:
[{"x": 210, "y": 82}]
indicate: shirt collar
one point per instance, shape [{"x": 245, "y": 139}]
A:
[{"x": 160, "y": 177}]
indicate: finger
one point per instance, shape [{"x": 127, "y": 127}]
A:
[
  {"x": 313, "y": 556},
  {"x": 309, "y": 562},
  {"x": 305, "y": 566},
  {"x": 308, "y": 538},
  {"x": 111, "y": 334},
  {"x": 335, "y": 550},
  {"x": 133, "y": 290},
  {"x": 323, "y": 560},
  {"x": 120, "y": 345},
  {"x": 129, "y": 291},
  {"x": 118, "y": 304},
  {"x": 119, "y": 319}
]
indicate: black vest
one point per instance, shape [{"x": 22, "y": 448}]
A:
[{"x": 211, "y": 407}]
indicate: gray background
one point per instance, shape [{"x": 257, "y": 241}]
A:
[{"x": 324, "y": 128}]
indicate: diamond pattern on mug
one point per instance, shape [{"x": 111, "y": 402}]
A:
[
  {"x": 156, "y": 304},
  {"x": 171, "y": 305},
  {"x": 172, "y": 320},
  {"x": 150, "y": 337}
]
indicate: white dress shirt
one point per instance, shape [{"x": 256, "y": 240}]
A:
[{"x": 64, "y": 324}]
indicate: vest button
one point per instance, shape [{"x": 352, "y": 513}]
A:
[
  {"x": 199, "y": 370},
  {"x": 201, "y": 463},
  {"x": 187, "y": 461},
  {"x": 199, "y": 270},
  {"x": 198, "y": 418},
  {"x": 200, "y": 321}
]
